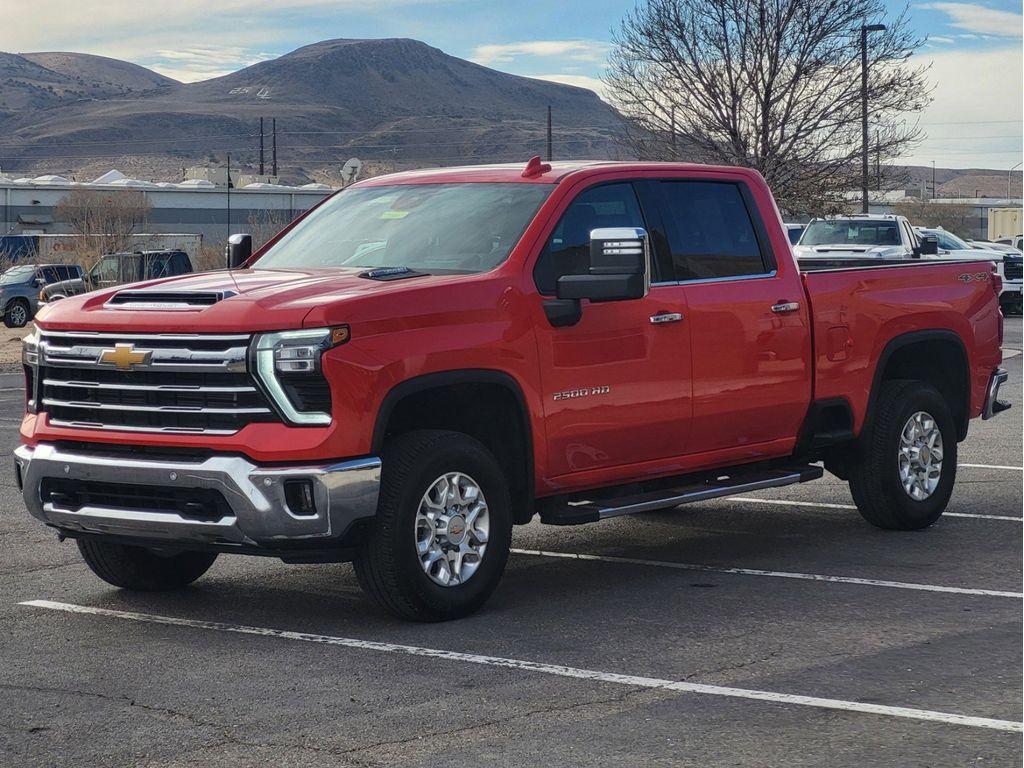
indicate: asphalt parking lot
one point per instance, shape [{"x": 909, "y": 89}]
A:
[{"x": 771, "y": 630}]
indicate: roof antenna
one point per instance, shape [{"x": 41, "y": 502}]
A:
[{"x": 535, "y": 167}]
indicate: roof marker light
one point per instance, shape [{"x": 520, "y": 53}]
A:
[{"x": 535, "y": 167}]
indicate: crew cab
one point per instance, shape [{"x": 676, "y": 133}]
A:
[{"x": 429, "y": 358}]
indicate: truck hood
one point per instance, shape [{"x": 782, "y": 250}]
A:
[
  {"x": 858, "y": 251},
  {"x": 249, "y": 299}
]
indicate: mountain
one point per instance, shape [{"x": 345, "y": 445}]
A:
[{"x": 397, "y": 101}]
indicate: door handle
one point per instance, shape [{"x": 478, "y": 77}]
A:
[
  {"x": 666, "y": 317},
  {"x": 785, "y": 306}
]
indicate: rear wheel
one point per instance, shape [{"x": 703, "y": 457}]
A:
[
  {"x": 17, "y": 314},
  {"x": 905, "y": 477},
  {"x": 138, "y": 568},
  {"x": 441, "y": 537}
]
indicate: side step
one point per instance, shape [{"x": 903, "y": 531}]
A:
[{"x": 579, "y": 511}]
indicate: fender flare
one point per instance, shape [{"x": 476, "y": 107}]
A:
[
  {"x": 914, "y": 337},
  {"x": 443, "y": 379}
]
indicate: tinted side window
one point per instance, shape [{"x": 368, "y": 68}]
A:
[
  {"x": 710, "y": 231},
  {"x": 567, "y": 251},
  {"x": 180, "y": 264},
  {"x": 49, "y": 275}
]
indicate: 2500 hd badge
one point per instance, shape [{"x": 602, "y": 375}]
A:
[{"x": 584, "y": 392}]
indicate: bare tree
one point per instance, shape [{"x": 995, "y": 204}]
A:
[
  {"x": 106, "y": 221},
  {"x": 768, "y": 84},
  {"x": 265, "y": 223},
  {"x": 958, "y": 218}
]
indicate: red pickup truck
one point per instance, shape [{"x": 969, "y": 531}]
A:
[{"x": 429, "y": 358}]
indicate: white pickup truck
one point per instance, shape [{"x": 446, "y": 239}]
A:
[{"x": 859, "y": 239}]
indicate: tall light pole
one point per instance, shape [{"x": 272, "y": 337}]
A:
[
  {"x": 1009, "y": 173},
  {"x": 864, "y": 29}
]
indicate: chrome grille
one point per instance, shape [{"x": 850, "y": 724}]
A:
[{"x": 178, "y": 383}]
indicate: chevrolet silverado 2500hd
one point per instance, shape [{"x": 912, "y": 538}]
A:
[{"x": 428, "y": 358}]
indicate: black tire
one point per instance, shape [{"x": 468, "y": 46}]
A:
[
  {"x": 138, "y": 568},
  {"x": 875, "y": 477},
  {"x": 387, "y": 565},
  {"x": 19, "y": 317}
]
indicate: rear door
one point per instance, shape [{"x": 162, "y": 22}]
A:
[
  {"x": 616, "y": 385},
  {"x": 747, "y": 320}
]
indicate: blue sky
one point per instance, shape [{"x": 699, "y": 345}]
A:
[{"x": 974, "y": 47}]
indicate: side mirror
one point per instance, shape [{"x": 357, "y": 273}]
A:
[
  {"x": 620, "y": 267},
  {"x": 238, "y": 250},
  {"x": 929, "y": 245}
]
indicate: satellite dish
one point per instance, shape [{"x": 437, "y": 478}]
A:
[{"x": 350, "y": 170}]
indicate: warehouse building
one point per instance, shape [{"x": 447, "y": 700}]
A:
[{"x": 195, "y": 206}]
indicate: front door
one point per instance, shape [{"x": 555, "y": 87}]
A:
[{"x": 616, "y": 385}]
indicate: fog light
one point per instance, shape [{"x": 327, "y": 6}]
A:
[{"x": 298, "y": 494}]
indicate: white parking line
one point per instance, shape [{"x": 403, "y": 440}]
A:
[
  {"x": 989, "y": 466},
  {"x": 822, "y": 505},
  {"x": 773, "y": 574},
  {"x": 549, "y": 669}
]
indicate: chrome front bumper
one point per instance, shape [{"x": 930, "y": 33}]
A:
[
  {"x": 344, "y": 492},
  {"x": 992, "y": 403}
]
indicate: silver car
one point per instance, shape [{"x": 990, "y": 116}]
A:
[{"x": 20, "y": 286}]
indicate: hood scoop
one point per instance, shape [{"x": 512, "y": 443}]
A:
[{"x": 167, "y": 300}]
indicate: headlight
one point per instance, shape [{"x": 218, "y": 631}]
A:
[
  {"x": 288, "y": 366},
  {"x": 30, "y": 349},
  {"x": 30, "y": 361}
]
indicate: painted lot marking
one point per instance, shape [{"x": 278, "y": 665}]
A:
[
  {"x": 773, "y": 574},
  {"x": 548, "y": 669},
  {"x": 823, "y": 505},
  {"x": 990, "y": 466}
]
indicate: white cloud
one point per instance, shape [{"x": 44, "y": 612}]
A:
[
  {"x": 941, "y": 39},
  {"x": 195, "y": 63},
  {"x": 975, "y": 117},
  {"x": 570, "y": 50},
  {"x": 185, "y": 39},
  {"x": 978, "y": 18},
  {"x": 580, "y": 81}
]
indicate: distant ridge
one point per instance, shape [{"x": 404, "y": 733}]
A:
[{"x": 398, "y": 101}]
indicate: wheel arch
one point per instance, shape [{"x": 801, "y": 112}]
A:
[
  {"x": 936, "y": 356},
  {"x": 468, "y": 401}
]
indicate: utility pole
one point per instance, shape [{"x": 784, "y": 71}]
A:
[
  {"x": 229, "y": 203},
  {"x": 273, "y": 151},
  {"x": 549, "y": 133},
  {"x": 672, "y": 130},
  {"x": 933, "y": 179},
  {"x": 864, "y": 29},
  {"x": 261, "y": 146},
  {"x": 878, "y": 162}
]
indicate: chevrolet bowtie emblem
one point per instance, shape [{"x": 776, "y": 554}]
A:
[{"x": 124, "y": 356}]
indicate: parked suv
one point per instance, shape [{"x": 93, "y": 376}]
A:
[
  {"x": 119, "y": 268},
  {"x": 20, "y": 286}
]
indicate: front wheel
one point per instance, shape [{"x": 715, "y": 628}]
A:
[
  {"x": 17, "y": 314},
  {"x": 441, "y": 537},
  {"x": 138, "y": 568},
  {"x": 905, "y": 476}
]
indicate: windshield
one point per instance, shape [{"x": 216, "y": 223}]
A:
[
  {"x": 851, "y": 232},
  {"x": 17, "y": 275},
  {"x": 434, "y": 228},
  {"x": 948, "y": 240}
]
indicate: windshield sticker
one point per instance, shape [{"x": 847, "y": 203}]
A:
[{"x": 394, "y": 214}]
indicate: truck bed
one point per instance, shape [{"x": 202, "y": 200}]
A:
[{"x": 857, "y": 311}]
